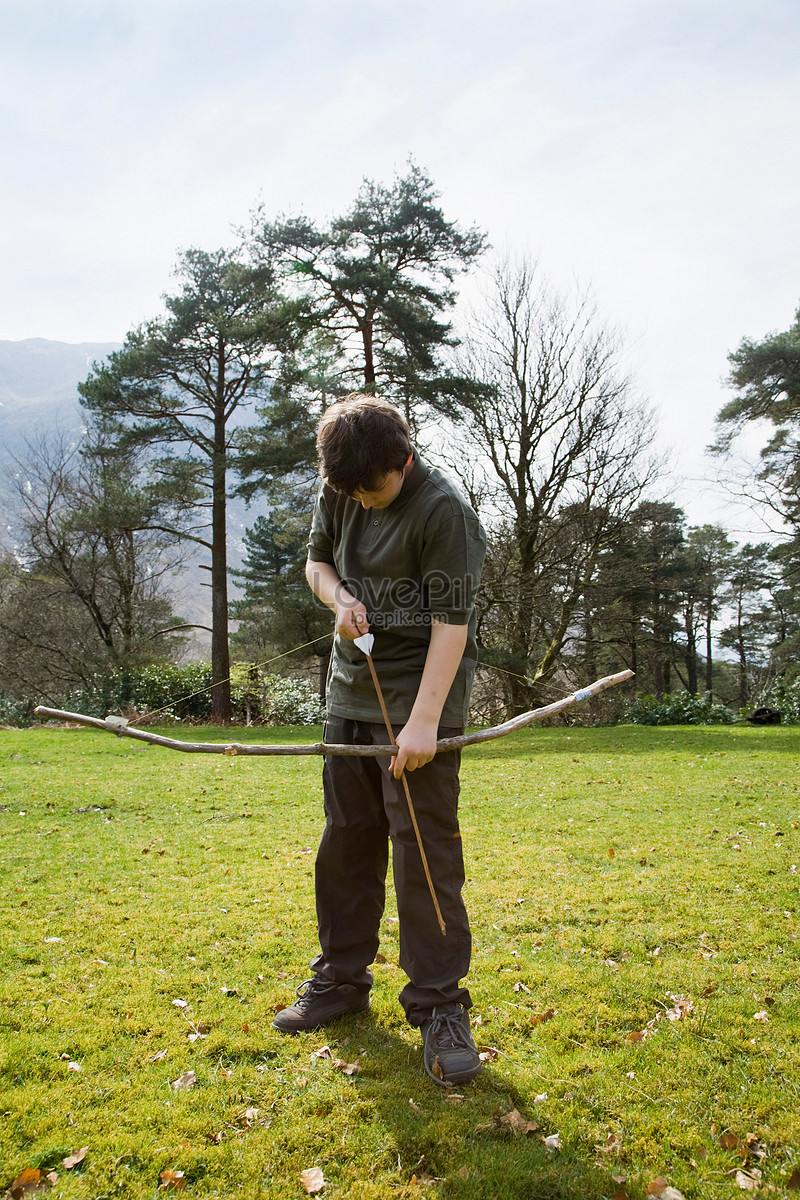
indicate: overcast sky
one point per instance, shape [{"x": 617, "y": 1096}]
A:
[{"x": 648, "y": 148}]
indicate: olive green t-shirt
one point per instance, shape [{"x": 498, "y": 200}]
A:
[{"x": 416, "y": 561}]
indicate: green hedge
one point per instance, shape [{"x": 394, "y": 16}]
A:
[
  {"x": 681, "y": 708},
  {"x": 171, "y": 692}
]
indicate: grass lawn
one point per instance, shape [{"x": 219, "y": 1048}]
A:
[{"x": 634, "y": 901}]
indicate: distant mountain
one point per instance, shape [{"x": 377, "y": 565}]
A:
[
  {"x": 39, "y": 392},
  {"x": 39, "y": 384}
]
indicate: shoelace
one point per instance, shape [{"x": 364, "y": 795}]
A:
[
  {"x": 314, "y": 987},
  {"x": 447, "y": 1032}
]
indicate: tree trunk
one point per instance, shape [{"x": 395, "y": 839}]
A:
[
  {"x": 369, "y": 355},
  {"x": 691, "y": 652},
  {"x": 221, "y": 710},
  {"x": 709, "y": 659}
]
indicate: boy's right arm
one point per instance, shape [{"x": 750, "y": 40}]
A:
[{"x": 351, "y": 615}]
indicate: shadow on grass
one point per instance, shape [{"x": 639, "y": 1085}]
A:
[{"x": 452, "y": 1139}]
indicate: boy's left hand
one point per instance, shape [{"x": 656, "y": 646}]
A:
[{"x": 416, "y": 746}]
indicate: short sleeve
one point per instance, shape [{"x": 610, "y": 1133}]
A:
[
  {"x": 452, "y": 559},
  {"x": 320, "y": 541}
]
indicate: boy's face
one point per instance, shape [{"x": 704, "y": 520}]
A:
[{"x": 382, "y": 496}]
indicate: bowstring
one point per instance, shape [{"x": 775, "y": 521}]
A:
[
  {"x": 253, "y": 666},
  {"x": 268, "y": 661}
]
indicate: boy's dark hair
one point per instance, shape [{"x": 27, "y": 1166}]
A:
[{"x": 360, "y": 440}]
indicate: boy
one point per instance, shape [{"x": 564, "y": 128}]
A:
[{"x": 397, "y": 551}]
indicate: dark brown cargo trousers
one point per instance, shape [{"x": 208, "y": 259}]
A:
[{"x": 366, "y": 810}]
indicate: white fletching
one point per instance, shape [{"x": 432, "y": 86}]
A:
[{"x": 365, "y": 642}]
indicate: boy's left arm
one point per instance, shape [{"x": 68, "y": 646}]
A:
[{"x": 416, "y": 741}]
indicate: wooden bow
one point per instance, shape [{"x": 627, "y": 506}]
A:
[{"x": 121, "y": 728}]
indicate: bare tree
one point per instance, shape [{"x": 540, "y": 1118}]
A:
[
  {"x": 86, "y": 590},
  {"x": 555, "y": 452}
]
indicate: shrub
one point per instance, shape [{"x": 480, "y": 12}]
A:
[
  {"x": 290, "y": 702},
  {"x": 183, "y": 693},
  {"x": 170, "y": 690},
  {"x": 785, "y": 696},
  {"x": 680, "y": 708},
  {"x": 16, "y": 712}
]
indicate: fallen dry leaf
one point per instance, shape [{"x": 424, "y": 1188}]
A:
[
  {"x": 313, "y": 1180},
  {"x": 612, "y": 1145},
  {"x": 415, "y": 1106},
  {"x": 28, "y": 1183},
  {"x": 436, "y": 1068},
  {"x": 620, "y": 1194},
  {"x": 185, "y": 1081},
  {"x": 74, "y": 1066},
  {"x": 514, "y": 1121},
  {"x": 488, "y": 1053},
  {"x": 753, "y": 1148},
  {"x": 547, "y": 1015},
  {"x": 345, "y": 1067},
  {"x": 682, "y": 1006},
  {"x": 729, "y": 1141},
  {"x": 553, "y": 1141},
  {"x": 171, "y": 1181},
  {"x": 659, "y": 1189},
  {"x": 73, "y": 1159},
  {"x": 761, "y": 1016},
  {"x": 748, "y": 1181},
  {"x": 794, "y": 1180},
  {"x": 158, "y": 1057},
  {"x": 180, "y": 1003}
]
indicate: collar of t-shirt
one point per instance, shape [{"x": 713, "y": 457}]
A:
[{"x": 412, "y": 482}]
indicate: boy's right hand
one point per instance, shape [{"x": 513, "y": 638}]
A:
[{"x": 351, "y": 620}]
